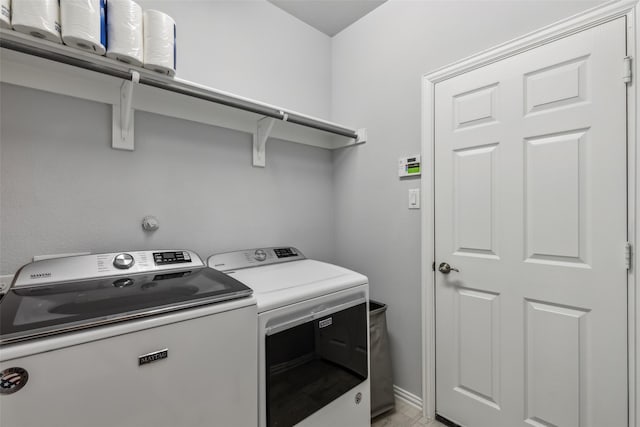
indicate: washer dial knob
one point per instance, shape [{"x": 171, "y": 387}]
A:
[
  {"x": 260, "y": 255},
  {"x": 123, "y": 261}
]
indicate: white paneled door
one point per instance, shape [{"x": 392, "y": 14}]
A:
[{"x": 531, "y": 208}]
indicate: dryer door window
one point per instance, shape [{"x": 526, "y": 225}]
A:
[{"x": 311, "y": 364}]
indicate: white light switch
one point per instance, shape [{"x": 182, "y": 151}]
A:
[{"x": 414, "y": 198}]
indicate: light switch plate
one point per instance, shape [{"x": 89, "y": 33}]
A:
[{"x": 414, "y": 198}]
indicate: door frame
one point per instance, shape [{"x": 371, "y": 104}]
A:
[{"x": 574, "y": 24}]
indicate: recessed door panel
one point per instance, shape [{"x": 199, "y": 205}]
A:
[
  {"x": 555, "y": 364},
  {"x": 478, "y": 348},
  {"x": 474, "y": 210},
  {"x": 556, "y": 86},
  {"x": 556, "y": 198},
  {"x": 475, "y": 107}
]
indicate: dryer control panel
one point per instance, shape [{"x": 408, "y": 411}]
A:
[{"x": 254, "y": 257}]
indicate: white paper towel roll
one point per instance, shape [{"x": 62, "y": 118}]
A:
[
  {"x": 83, "y": 25},
  {"x": 40, "y": 18},
  {"x": 159, "y": 42},
  {"x": 5, "y": 14},
  {"x": 124, "y": 31}
]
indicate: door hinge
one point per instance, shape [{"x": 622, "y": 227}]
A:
[
  {"x": 433, "y": 266},
  {"x": 628, "y": 71},
  {"x": 628, "y": 252}
]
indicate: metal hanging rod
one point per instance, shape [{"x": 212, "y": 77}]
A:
[
  {"x": 207, "y": 94},
  {"x": 62, "y": 54}
]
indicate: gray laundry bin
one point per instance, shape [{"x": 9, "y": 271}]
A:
[{"x": 382, "y": 399}]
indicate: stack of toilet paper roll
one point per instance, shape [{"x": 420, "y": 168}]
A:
[
  {"x": 39, "y": 18},
  {"x": 124, "y": 30},
  {"x": 159, "y": 42},
  {"x": 126, "y": 33},
  {"x": 5, "y": 14},
  {"x": 84, "y": 25}
]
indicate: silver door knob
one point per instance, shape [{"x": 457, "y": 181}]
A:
[{"x": 445, "y": 268}]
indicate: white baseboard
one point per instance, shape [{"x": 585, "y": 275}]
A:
[{"x": 407, "y": 397}]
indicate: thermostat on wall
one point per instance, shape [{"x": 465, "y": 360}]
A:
[{"x": 409, "y": 166}]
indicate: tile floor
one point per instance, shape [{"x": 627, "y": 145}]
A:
[{"x": 404, "y": 415}]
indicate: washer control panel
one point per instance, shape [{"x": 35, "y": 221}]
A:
[
  {"x": 82, "y": 267},
  {"x": 254, "y": 257},
  {"x": 171, "y": 257}
]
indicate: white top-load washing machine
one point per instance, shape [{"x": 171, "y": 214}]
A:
[
  {"x": 138, "y": 339},
  {"x": 313, "y": 328}
]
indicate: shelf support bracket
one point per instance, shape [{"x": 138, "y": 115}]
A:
[
  {"x": 362, "y": 136},
  {"x": 122, "y": 130},
  {"x": 265, "y": 125}
]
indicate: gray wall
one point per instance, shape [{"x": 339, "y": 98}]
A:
[
  {"x": 63, "y": 189},
  {"x": 254, "y": 49},
  {"x": 377, "y": 67}
]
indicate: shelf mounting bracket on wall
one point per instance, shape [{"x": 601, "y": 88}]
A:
[
  {"x": 122, "y": 129},
  {"x": 361, "y": 136},
  {"x": 263, "y": 130}
]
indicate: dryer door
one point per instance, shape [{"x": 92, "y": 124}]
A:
[{"x": 313, "y": 360}]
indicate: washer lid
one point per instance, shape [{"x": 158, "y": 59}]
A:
[
  {"x": 47, "y": 309},
  {"x": 277, "y": 285}
]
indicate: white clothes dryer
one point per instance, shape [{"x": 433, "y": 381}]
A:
[{"x": 313, "y": 329}]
